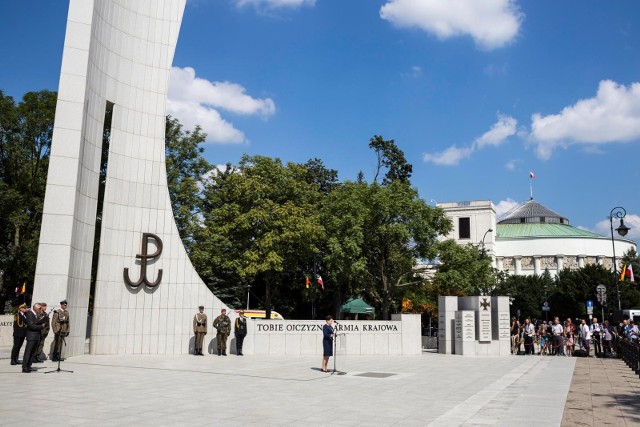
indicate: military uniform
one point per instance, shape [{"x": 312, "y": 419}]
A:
[
  {"x": 60, "y": 326},
  {"x": 19, "y": 333},
  {"x": 200, "y": 329},
  {"x": 43, "y": 335},
  {"x": 223, "y": 324}
]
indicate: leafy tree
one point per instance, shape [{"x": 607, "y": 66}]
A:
[
  {"x": 259, "y": 224},
  {"x": 186, "y": 169},
  {"x": 463, "y": 270},
  {"x": 25, "y": 143},
  {"x": 389, "y": 156}
]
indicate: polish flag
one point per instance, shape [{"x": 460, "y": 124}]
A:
[
  {"x": 532, "y": 175},
  {"x": 629, "y": 273},
  {"x": 320, "y": 282}
]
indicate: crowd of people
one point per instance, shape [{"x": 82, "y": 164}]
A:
[
  {"x": 33, "y": 325},
  {"x": 569, "y": 338}
]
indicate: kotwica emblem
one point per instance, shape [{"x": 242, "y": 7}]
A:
[{"x": 145, "y": 257}]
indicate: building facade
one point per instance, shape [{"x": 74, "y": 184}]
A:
[{"x": 530, "y": 238}]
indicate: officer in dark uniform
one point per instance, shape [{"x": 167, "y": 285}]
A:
[
  {"x": 240, "y": 331},
  {"x": 222, "y": 324},
  {"x": 60, "y": 326},
  {"x": 19, "y": 332}
]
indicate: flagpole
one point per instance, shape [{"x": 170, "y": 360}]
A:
[{"x": 530, "y": 187}]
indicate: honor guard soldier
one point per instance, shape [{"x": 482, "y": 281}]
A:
[
  {"x": 43, "y": 334},
  {"x": 60, "y": 326},
  {"x": 223, "y": 325},
  {"x": 19, "y": 332},
  {"x": 240, "y": 331},
  {"x": 200, "y": 329}
]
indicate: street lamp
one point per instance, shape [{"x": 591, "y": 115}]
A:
[
  {"x": 482, "y": 242},
  {"x": 619, "y": 213}
]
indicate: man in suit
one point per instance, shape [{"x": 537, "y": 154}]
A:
[
  {"x": 223, "y": 325},
  {"x": 19, "y": 332},
  {"x": 60, "y": 326},
  {"x": 43, "y": 334},
  {"x": 200, "y": 329},
  {"x": 34, "y": 328}
]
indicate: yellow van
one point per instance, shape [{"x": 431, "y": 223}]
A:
[{"x": 260, "y": 314}]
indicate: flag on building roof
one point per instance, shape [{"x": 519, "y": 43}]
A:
[
  {"x": 320, "y": 282},
  {"x": 532, "y": 175}
]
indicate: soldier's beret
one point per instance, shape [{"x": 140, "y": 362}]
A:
[
  {"x": 64, "y": 301},
  {"x": 23, "y": 306}
]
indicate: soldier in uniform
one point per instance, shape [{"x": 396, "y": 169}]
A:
[
  {"x": 43, "y": 334},
  {"x": 200, "y": 329},
  {"x": 240, "y": 331},
  {"x": 222, "y": 324},
  {"x": 19, "y": 332},
  {"x": 60, "y": 326}
]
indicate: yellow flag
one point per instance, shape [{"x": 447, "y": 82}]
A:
[{"x": 624, "y": 270}]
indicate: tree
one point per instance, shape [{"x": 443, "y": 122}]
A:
[
  {"x": 25, "y": 143},
  {"x": 186, "y": 169},
  {"x": 463, "y": 270},
  {"x": 389, "y": 156},
  {"x": 260, "y": 225}
]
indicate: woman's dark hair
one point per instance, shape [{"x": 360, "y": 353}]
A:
[{"x": 329, "y": 317}]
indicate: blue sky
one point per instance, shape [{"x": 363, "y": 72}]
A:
[{"x": 476, "y": 93}]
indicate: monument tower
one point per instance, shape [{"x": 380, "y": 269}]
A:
[{"x": 114, "y": 78}]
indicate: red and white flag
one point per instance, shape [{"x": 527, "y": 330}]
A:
[
  {"x": 320, "y": 282},
  {"x": 532, "y": 175},
  {"x": 629, "y": 273}
]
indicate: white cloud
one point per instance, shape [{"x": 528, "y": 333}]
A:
[
  {"x": 497, "y": 135},
  {"x": 272, "y": 4},
  {"x": 632, "y": 221},
  {"x": 491, "y": 23},
  {"x": 511, "y": 164},
  {"x": 449, "y": 157},
  {"x": 505, "y": 206},
  {"x": 613, "y": 115},
  {"x": 196, "y": 101},
  {"x": 499, "y": 132}
]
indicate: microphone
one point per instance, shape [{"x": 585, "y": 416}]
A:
[{"x": 336, "y": 322}]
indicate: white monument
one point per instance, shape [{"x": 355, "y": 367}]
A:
[
  {"x": 473, "y": 325},
  {"x": 117, "y": 56},
  {"x": 116, "y": 62}
]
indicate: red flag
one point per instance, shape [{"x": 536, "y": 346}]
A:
[
  {"x": 307, "y": 282},
  {"x": 629, "y": 273},
  {"x": 320, "y": 282}
]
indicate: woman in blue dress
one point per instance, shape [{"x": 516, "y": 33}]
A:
[{"x": 327, "y": 342}]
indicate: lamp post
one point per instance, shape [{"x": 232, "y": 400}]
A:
[
  {"x": 482, "y": 242},
  {"x": 619, "y": 213}
]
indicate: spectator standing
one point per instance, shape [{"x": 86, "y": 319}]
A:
[
  {"x": 586, "y": 336},
  {"x": 596, "y": 332},
  {"x": 569, "y": 338},
  {"x": 528, "y": 332},
  {"x": 557, "y": 331}
]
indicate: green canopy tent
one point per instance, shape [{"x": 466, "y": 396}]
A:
[{"x": 356, "y": 306}]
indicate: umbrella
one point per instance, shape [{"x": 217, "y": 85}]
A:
[{"x": 356, "y": 306}]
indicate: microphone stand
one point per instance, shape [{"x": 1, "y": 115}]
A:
[
  {"x": 335, "y": 352},
  {"x": 59, "y": 360}
]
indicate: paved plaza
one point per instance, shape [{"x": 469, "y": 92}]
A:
[{"x": 430, "y": 389}]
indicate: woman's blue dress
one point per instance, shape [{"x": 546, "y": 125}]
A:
[{"x": 327, "y": 340}]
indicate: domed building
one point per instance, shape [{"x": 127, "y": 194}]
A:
[{"x": 531, "y": 238}]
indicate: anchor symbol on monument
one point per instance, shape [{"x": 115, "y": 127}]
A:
[{"x": 144, "y": 256}]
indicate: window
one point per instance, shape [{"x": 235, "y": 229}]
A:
[{"x": 464, "y": 228}]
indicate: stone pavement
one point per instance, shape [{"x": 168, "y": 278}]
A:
[
  {"x": 603, "y": 392},
  {"x": 430, "y": 389}
]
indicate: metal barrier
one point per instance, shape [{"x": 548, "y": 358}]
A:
[{"x": 629, "y": 351}]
